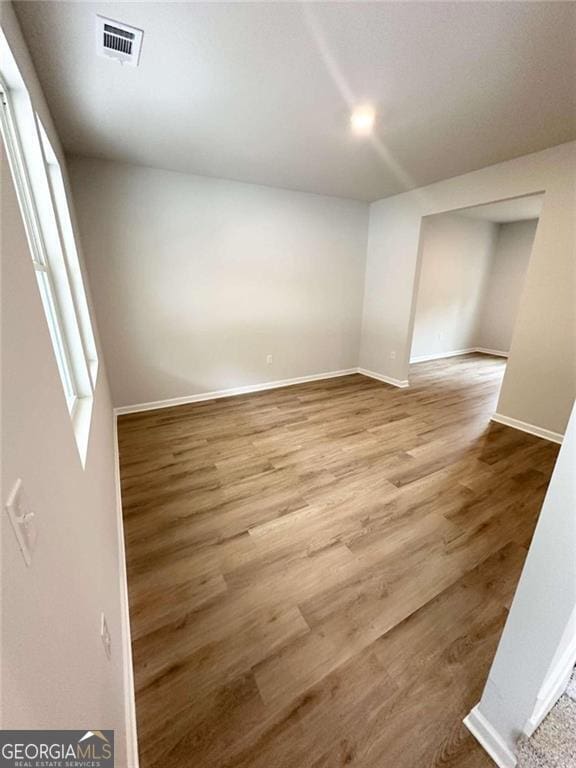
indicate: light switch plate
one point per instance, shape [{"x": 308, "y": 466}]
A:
[{"x": 23, "y": 521}]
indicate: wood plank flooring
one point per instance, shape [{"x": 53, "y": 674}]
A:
[{"x": 319, "y": 574}]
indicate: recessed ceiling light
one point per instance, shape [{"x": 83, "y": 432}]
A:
[{"x": 362, "y": 120}]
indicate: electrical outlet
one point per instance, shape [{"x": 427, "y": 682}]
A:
[
  {"x": 268, "y": 359},
  {"x": 393, "y": 355},
  {"x": 23, "y": 521},
  {"x": 105, "y": 636}
]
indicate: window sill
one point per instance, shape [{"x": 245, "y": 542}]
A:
[
  {"x": 81, "y": 424},
  {"x": 93, "y": 368}
]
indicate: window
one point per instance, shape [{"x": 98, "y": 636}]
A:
[
  {"x": 67, "y": 234},
  {"x": 42, "y": 200}
]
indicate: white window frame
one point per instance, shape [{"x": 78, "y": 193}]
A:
[
  {"x": 60, "y": 205},
  {"x": 54, "y": 255}
]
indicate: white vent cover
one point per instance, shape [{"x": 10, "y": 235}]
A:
[{"x": 116, "y": 40}]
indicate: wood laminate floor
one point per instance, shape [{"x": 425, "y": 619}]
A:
[{"x": 319, "y": 574}]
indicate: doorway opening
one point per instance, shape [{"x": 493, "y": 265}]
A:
[{"x": 471, "y": 272}]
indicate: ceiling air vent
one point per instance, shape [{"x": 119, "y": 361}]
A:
[{"x": 118, "y": 41}]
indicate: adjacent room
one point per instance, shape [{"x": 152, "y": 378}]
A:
[
  {"x": 473, "y": 264},
  {"x": 288, "y": 378},
  {"x": 471, "y": 272}
]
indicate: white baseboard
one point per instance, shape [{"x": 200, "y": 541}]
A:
[
  {"x": 489, "y": 739},
  {"x": 457, "y": 353},
  {"x": 532, "y": 429},
  {"x": 129, "y": 695},
  {"x": 386, "y": 379},
  {"x": 495, "y": 352},
  {"x": 233, "y": 391},
  {"x": 441, "y": 355},
  {"x": 557, "y": 677}
]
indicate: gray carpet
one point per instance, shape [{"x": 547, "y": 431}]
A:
[{"x": 553, "y": 744}]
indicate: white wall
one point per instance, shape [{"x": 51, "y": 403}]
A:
[
  {"x": 470, "y": 280},
  {"x": 197, "y": 280},
  {"x": 501, "y": 299},
  {"x": 540, "y": 380},
  {"x": 542, "y": 609},
  {"x": 55, "y": 672},
  {"x": 455, "y": 265}
]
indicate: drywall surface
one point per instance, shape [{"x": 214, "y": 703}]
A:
[
  {"x": 196, "y": 281},
  {"x": 455, "y": 266},
  {"x": 540, "y": 381},
  {"x": 543, "y": 606},
  {"x": 501, "y": 299},
  {"x": 471, "y": 275},
  {"x": 55, "y": 673}
]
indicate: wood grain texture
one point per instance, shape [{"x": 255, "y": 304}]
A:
[{"x": 319, "y": 574}]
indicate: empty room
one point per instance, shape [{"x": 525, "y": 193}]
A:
[{"x": 288, "y": 354}]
